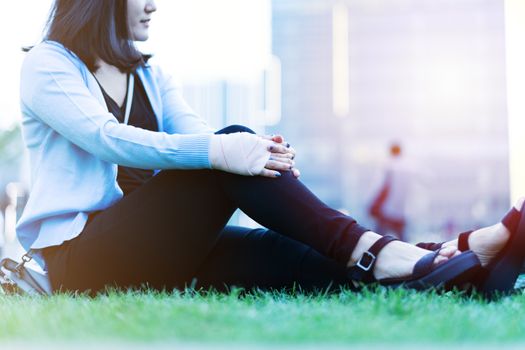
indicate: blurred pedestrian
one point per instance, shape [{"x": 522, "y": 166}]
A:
[{"x": 388, "y": 206}]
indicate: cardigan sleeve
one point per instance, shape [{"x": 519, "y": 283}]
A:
[
  {"x": 53, "y": 92},
  {"x": 178, "y": 116}
]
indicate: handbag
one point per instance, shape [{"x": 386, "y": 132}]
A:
[{"x": 16, "y": 278}]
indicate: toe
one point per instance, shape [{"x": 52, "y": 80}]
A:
[
  {"x": 448, "y": 252},
  {"x": 440, "y": 259}
]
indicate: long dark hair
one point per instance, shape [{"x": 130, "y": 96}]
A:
[{"x": 95, "y": 29}]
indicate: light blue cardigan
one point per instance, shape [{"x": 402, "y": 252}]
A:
[{"x": 75, "y": 144}]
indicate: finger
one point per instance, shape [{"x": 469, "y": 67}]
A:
[
  {"x": 282, "y": 158},
  {"x": 274, "y": 138},
  {"x": 288, "y": 155},
  {"x": 278, "y": 138},
  {"x": 296, "y": 173},
  {"x": 270, "y": 173},
  {"x": 277, "y": 148},
  {"x": 284, "y": 155},
  {"x": 276, "y": 165},
  {"x": 290, "y": 152}
]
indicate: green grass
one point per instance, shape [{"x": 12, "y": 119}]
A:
[{"x": 371, "y": 317}]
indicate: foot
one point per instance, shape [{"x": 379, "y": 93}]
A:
[
  {"x": 397, "y": 259},
  {"x": 487, "y": 242}
]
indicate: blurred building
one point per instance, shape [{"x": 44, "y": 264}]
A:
[
  {"x": 302, "y": 40},
  {"x": 358, "y": 74}
]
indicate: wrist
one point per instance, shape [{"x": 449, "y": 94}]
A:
[{"x": 215, "y": 154}]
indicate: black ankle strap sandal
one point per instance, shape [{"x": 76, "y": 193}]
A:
[
  {"x": 425, "y": 274},
  {"x": 500, "y": 275},
  {"x": 363, "y": 269}
]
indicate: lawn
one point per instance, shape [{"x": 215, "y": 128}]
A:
[{"x": 372, "y": 317}]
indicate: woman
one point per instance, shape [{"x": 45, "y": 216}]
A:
[{"x": 132, "y": 189}]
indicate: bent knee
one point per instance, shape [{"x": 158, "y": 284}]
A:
[{"x": 235, "y": 128}]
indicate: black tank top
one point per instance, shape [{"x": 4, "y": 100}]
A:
[{"x": 141, "y": 116}]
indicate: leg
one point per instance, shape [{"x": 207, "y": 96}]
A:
[
  {"x": 286, "y": 206},
  {"x": 153, "y": 237},
  {"x": 169, "y": 210},
  {"x": 140, "y": 239},
  {"x": 263, "y": 259},
  {"x": 158, "y": 235}
]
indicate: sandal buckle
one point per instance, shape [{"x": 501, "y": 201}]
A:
[{"x": 366, "y": 261}]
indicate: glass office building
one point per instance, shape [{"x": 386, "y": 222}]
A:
[{"x": 358, "y": 75}]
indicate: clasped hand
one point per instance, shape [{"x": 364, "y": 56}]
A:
[
  {"x": 282, "y": 157},
  {"x": 249, "y": 154}
]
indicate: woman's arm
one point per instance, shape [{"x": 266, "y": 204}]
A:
[
  {"x": 178, "y": 117},
  {"x": 53, "y": 91}
]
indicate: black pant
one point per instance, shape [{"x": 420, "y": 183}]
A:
[{"x": 171, "y": 231}]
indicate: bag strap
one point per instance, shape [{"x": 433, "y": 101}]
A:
[
  {"x": 27, "y": 257},
  {"x": 129, "y": 97}
]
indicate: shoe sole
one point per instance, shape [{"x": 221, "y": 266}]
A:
[{"x": 447, "y": 275}]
